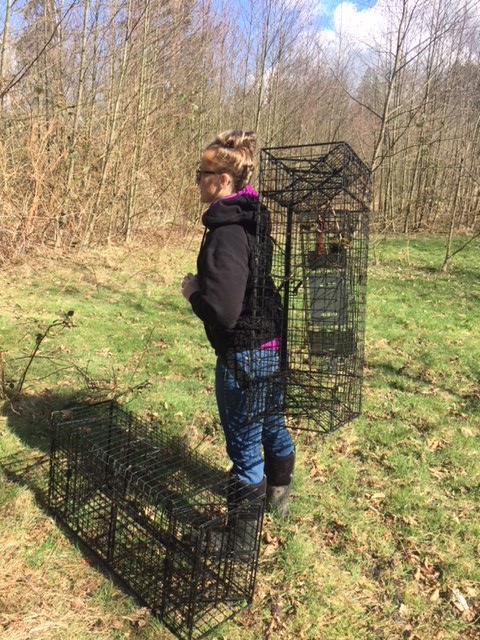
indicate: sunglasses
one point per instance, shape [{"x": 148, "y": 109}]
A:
[{"x": 200, "y": 172}]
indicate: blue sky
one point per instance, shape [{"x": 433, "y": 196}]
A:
[
  {"x": 361, "y": 4},
  {"x": 329, "y": 7},
  {"x": 323, "y": 19}
]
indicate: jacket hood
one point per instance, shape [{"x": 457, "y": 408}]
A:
[{"x": 241, "y": 209}]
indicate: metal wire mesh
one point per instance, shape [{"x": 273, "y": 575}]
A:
[
  {"x": 318, "y": 197},
  {"x": 157, "y": 514}
]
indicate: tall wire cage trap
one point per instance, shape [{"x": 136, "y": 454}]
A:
[
  {"x": 318, "y": 197},
  {"x": 156, "y": 514}
]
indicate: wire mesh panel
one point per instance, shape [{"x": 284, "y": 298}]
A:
[
  {"x": 157, "y": 514},
  {"x": 318, "y": 197}
]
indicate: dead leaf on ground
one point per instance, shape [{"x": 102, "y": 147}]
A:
[
  {"x": 438, "y": 472},
  {"x": 458, "y": 600},
  {"x": 435, "y": 445},
  {"x": 428, "y": 574},
  {"x": 276, "y": 625},
  {"x": 78, "y": 604},
  {"x": 376, "y": 497},
  {"x": 138, "y": 618},
  {"x": 272, "y": 543},
  {"x": 269, "y": 539},
  {"x": 319, "y": 474},
  {"x": 435, "y": 597},
  {"x": 117, "y": 625},
  {"x": 461, "y": 605},
  {"x": 410, "y": 634}
]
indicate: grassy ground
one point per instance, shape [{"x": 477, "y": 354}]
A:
[{"x": 384, "y": 536}]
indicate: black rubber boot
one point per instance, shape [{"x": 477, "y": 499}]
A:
[
  {"x": 246, "y": 503},
  {"x": 279, "y": 472}
]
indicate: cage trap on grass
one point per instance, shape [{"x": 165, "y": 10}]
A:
[{"x": 156, "y": 514}]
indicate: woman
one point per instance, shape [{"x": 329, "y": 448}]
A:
[{"x": 243, "y": 331}]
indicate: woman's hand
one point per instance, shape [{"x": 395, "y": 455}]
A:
[{"x": 189, "y": 285}]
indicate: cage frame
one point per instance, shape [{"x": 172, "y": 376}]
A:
[
  {"x": 304, "y": 190},
  {"x": 144, "y": 532}
]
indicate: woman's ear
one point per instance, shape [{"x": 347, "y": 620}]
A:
[{"x": 226, "y": 181}]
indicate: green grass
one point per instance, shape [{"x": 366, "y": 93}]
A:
[{"x": 384, "y": 526}]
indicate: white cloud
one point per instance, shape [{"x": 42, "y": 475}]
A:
[
  {"x": 377, "y": 26},
  {"x": 364, "y": 37},
  {"x": 360, "y": 25}
]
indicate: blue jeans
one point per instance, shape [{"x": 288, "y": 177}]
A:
[{"x": 250, "y": 402}]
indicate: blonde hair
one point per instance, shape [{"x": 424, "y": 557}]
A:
[{"x": 234, "y": 152}]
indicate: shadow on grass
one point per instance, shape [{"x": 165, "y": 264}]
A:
[
  {"x": 28, "y": 415},
  {"x": 455, "y": 270},
  {"x": 158, "y": 457},
  {"x": 402, "y": 376},
  {"x": 140, "y": 504},
  {"x": 28, "y": 418}
]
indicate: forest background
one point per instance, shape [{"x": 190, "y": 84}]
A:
[{"x": 105, "y": 106}]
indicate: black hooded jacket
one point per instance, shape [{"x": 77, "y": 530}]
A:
[{"x": 237, "y": 301}]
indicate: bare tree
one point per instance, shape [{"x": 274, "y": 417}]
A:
[{"x": 105, "y": 106}]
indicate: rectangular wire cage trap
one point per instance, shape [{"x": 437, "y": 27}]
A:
[
  {"x": 318, "y": 197},
  {"x": 156, "y": 514}
]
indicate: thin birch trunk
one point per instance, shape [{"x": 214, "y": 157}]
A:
[
  {"x": 448, "y": 247},
  {"x": 5, "y": 42},
  {"x": 60, "y": 221},
  {"x": 116, "y": 95},
  {"x": 139, "y": 128}
]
